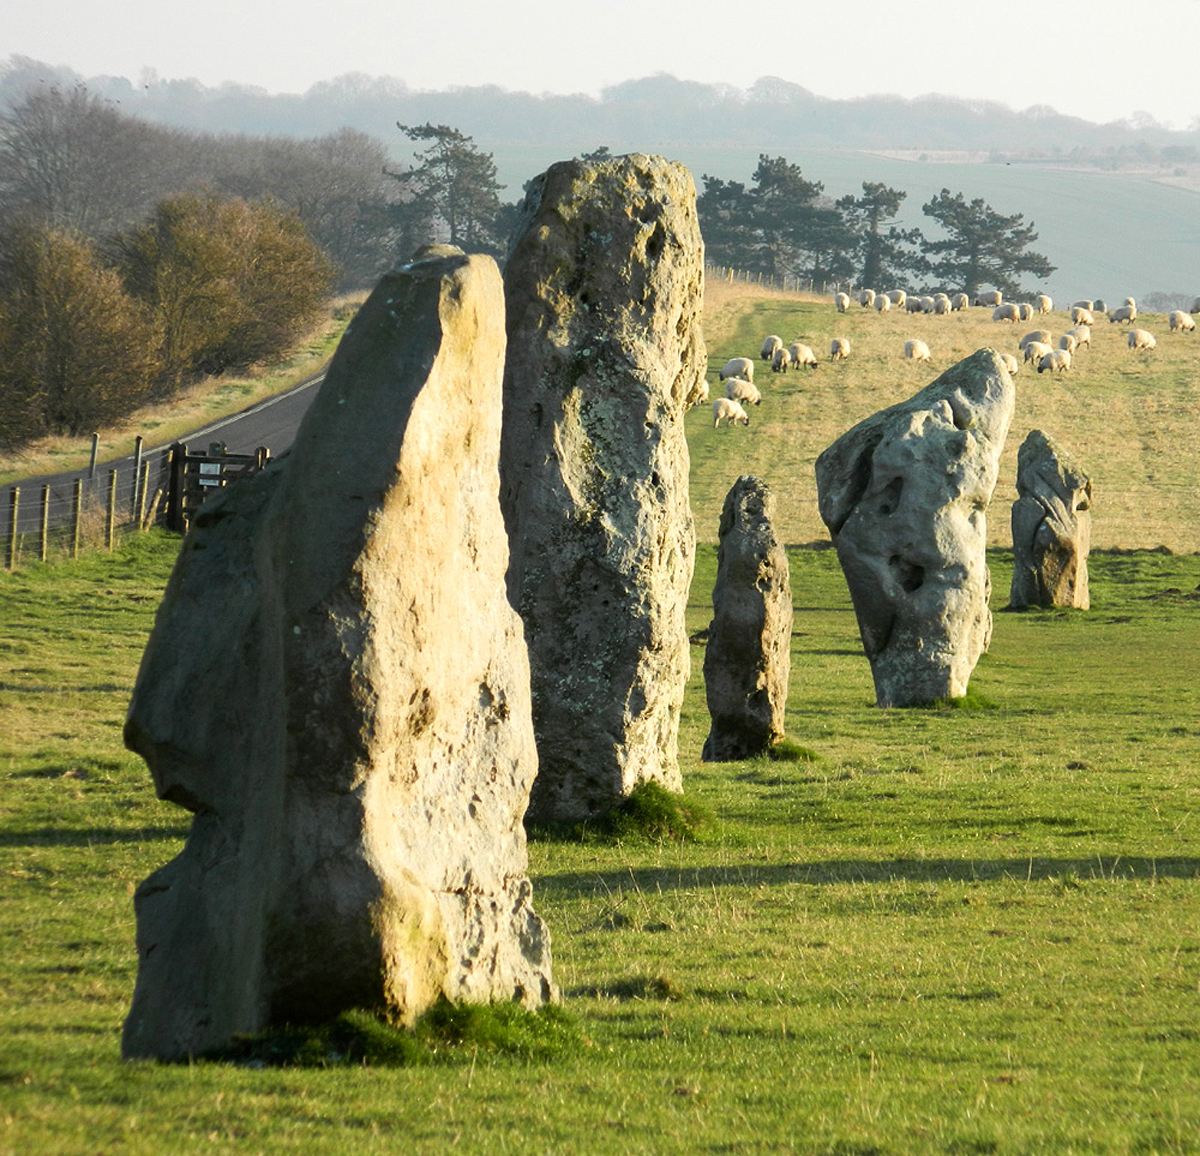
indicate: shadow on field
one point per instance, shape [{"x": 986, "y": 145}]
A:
[
  {"x": 91, "y": 836},
  {"x": 832, "y": 871}
]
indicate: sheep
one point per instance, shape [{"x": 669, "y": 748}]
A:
[
  {"x": 1081, "y": 316},
  {"x": 913, "y": 305},
  {"x": 1067, "y": 342},
  {"x": 1010, "y": 363},
  {"x": 731, "y": 411},
  {"x": 803, "y": 355},
  {"x": 842, "y": 301},
  {"x": 1082, "y": 335},
  {"x": 1131, "y": 303},
  {"x": 1057, "y": 361},
  {"x": 1140, "y": 339},
  {"x": 898, "y": 298},
  {"x": 866, "y": 298},
  {"x": 702, "y": 394},
  {"x": 1178, "y": 319},
  {"x": 742, "y": 391},
  {"x": 781, "y": 361},
  {"x": 941, "y": 304},
  {"x": 1007, "y": 312},
  {"x": 1100, "y": 306},
  {"x": 959, "y": 302},
  {"x": 1090, "y": 306},
  {"x": 883, "y": 303},
  {"x": 916, "y": 350},
  {"x": 1036, "y": 350},
  {"x": 839, "y": 348},
  {"x": 769, "y": 345},
  {"x": 928, "y": 304},
  {"x": 738, "y": 367},
  {"x": 1125, "y": 313},
  {"x": 990, "y": 297},
  {"x": 1043, "y": 304},
  {"x": 1035, "y": 335}
]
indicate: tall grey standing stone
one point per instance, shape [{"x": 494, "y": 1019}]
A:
[
  {"x": 1051, "y": 527},
  {"x": 337, "y": 687},
  {"x": 904, "y": 495},
  {"x": 748, "y": 655},
  {"x": 604, "y": 287}
]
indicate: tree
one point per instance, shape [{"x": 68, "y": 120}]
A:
[
  {"x": 982, "y": 247},
  {"x": 76, "y": 351},
  {"x": 883, "y": 252},
  {"x": 452, "y": 193}
]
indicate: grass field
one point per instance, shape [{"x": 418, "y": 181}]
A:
[{"x": 956, "y": 931}]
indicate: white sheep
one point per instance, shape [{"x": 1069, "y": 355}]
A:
[
  {"x": 928, "y": 303},
  {"x": 1057, "y": 361},
  {"x": 839, "y": 348},
  {"x": 916, "y": 350},
  {"x": 898, "y": 298},
  {"x": 990, "y": 297},
  {"x": 1036, "y": 350},
  {"x": 1025, "y": 310},
  {"x": 842, "y": 301},
  {"x": 803, "y": 355},
  {"x": 1090, "y": 306},
  {"x": 1180, "y": 320},
  {"x": 941, "y": 304},
  {"x": 1082, "y": 335},
  {"x": 866, "y": 298},
  {"x": 1140, "y": 339},
  {"x": 1010, "y": 363},
  {"x": 1126, "y": 313},
  {"x": 769, "y": 345},
  {"x": 1067, "y": 342},
  {"x": 1043, "y": 304},
  {"x": 702, "y": 394},
  {"x": 883, "y": 303},
  {"x": 1130, "y": 302},
  {"x": 913, "y": 305},
  {"x": 738, "y": 367},
  {"x": 1081, "y": 316},
  {"x": 1009, "y": 312},
  {"x": 959, "y": 302},
  {"x": 782, "y": 360},
  {"x": 1035, "y": 335},
  {"x": 742, "y": 391},
  {"x": 731, "y": 411},
  {"x": 1100, "y": 306}
]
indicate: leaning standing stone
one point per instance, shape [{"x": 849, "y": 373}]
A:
[
  {"x": 604, "y": 286},
  {"x": 904, "y": 494},
  {"x": 1051, "y": 527},
  {"x": 747, "y": 658},
  {"x": 337, "y": 687}
]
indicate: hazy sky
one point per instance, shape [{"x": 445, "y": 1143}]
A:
[{"x": 1097, "y": 60}]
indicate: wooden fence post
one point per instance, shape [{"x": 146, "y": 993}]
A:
[
  {"x": 44, "y": 536},
  {"x": 143, "y": 485},
  {"x": 111, "y": 514},
  {"x": 95, "y": 453},
  {"x": 136, "y": 498},
  {"x": 14, "y": 504},
  {"x": 76, "y": 517}
]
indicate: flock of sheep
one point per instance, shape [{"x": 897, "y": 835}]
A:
[{"x": 1037, "y": 346}]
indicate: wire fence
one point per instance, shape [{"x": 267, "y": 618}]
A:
[{"x": 780, "y": 281}]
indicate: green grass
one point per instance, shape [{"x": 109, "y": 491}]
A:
[{"x": 924, "y": 931}]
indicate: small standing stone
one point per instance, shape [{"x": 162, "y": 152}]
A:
[
  {"x": 748, "y": 655},
  {"x": 1051, "y": 527}
]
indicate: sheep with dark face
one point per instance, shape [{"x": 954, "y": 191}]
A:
[
  {"x": 1180, "y": 321},
  {"x": 741, "y": 367},
  {"x": 729, "y": 412},
  {"x": 1140, "y": 339}
]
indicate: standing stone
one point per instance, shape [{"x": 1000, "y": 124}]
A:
[
  {"x": 604, "y": 287},
  {"x": 904, "y": 494},
  {"x": 748, "y": 656},
  {"x": 337, "y": 687},
  {"x": 1051, "y": 526}
]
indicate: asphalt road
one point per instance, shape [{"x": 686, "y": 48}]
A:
[{"x": 272, "y": 422}]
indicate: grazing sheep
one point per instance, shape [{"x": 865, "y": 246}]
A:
[
  {"x": 1082, "y": 335},
  {"x": 866, "y": 298},
  {"x": 897, "y": 297},
  {"x": 1057, "y": 361},
  {"x": 769, "y": 345},
  {"x": 1140, "y": 339},
  {"x": 1043, "y": 304},
  {"x": 1126, "y": 313},
  {"x": 1180, "y": 320},
  {"x": 1100, "y": 306},
  {"x": 928, "y": 304},
  {"x": 702, "y": 396},
  {"x": 731, "y": 411},
  {"x": 1130, "y": 302},
  {"x": 913, "y": 305},
  {"x": 1008, "y": 312},
  {"x": 842, "y": 301},
  {"x": 1090, "y": 306},
  {"x": 990, "y": 297},
  {"x": 941, "y": 304},
  {"x": 883, "y": 303},
  {"x": 1010, "y": 363},
  {"x": 1036, "y": 335},
  {"x": 959, "y": 302},
  {"x": 1036, "y": 350},
  {"x": 742, "y": 391},
  {"x": 1025, "y": 310},
  {"x": 1067, "y": 342},
  {"x": 782, "y": 361},
  {"x": 738, "y": 367},
  {"x": 916, "y": 350},
  {"x": 839, "y": 348},
  {"x": 803, "y": 355},
  {"x": 1081, "y": 316}
]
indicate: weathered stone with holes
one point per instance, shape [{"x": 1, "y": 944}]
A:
[
  {"x": 1051, "y": 527},
  {"x": 338, "y": 689},
  {"x": 904, "y": 494},
  {"x": 747, "y": 658},
  {"x": 604, "y": 287}
]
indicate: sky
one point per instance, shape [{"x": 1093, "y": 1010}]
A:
[{"x": 1096, "y": 60}]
